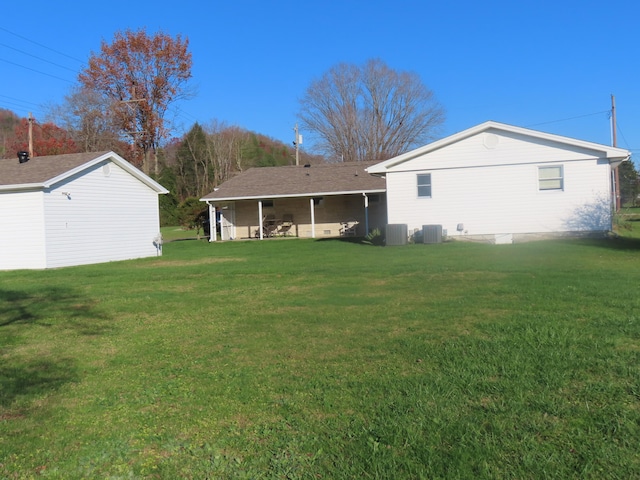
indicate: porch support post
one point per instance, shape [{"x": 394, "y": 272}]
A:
[
  {"x": 366, "y": 213},
  {"x": 313, "y": 218},
  {"x": 212, "y": 223},
  {"x": 260, "y": 222}
]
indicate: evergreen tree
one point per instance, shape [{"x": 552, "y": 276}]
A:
[{"x": 629, "y": 183}]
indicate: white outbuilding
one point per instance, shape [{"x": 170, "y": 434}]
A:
[{"x": 76, "y": 209}]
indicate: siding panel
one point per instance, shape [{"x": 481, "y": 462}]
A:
[
  {"x": 106, "y": 217},
  {"x": 495, "y": 190},
  {"x": 21, "y": 231}
]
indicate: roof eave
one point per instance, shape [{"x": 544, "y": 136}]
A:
[{"x": 23, "y": 186}]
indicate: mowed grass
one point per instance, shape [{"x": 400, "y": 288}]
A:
[{"x": 296, "y": 359}]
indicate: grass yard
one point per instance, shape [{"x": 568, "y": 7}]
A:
[
  {"x": 628, "y": 222},
  {"x": 302, "y": 359}
]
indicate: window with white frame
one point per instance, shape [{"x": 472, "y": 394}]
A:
[
  {"x": 424, "y": 185},
  {"x": 551, "y": 178}
]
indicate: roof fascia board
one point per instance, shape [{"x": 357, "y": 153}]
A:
[
  {"x": 22, "y": 186},
  {"x": 301, "y": 195}
]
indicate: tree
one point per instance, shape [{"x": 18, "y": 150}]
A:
[
  {"x": 8, "y": 123},
  {"x": 142, "y": 75},
  {"x": 629, "y": 183},
  {"x": 192, "y": 164},
  {"x": 370, "y": 112},
  {"x": 48, "y": 139},
  {"x": 88, "y": 116}
]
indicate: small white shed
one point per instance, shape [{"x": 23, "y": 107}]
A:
[
  {"x": 76, "y": 209},
  {"x": 499, "y": 182}
]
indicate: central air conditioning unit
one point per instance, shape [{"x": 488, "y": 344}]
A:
[
  {"x": 396, "y": 234},
  {"x": 432, "y": 233}
]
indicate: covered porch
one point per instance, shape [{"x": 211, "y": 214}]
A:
[
  {"x": 311, "y": 201},
  {"x": 318, "y": 216}
]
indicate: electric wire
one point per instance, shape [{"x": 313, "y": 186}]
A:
[
  {"x": 39, "y": 58},
  {"x": 41, "y": 45},
  {"x": 570, "y": 118},
  {"x": 36, "y": 71}
]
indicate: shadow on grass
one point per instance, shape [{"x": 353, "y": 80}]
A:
[
  {"x": 611, "y": 243},
  {"x": 28, "y": 379},
  {"x": 623, "y": 243},
  {"x": 357, "y": 240},
  {"x": 24, "y": 376},
  {"x": 43, "y": 305}
]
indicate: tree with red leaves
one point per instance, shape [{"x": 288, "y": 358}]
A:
[
  {"x": 48, "y": 139},
  {"x": 141, "y": 75}
]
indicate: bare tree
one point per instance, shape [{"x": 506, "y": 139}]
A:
[
  {"x": 225, "y": 149},
  {"x": 88, "y": 117},
  {"x": 369, "y": 113}
]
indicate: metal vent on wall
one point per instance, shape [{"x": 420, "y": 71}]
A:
[
  {"x": 432, "y": 233},
  {"x": 396, "y": 234}
]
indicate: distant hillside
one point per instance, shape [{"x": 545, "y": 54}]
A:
[{"x": 267, "y": 152}]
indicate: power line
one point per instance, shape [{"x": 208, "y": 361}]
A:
[
  {"x": 18, "y": 100},
  {"x": 39, "y": 58},
  {"x": 570, "y": 118},
  {"x": 37, "y": 71},
  {"x": 41, "y": 45}
]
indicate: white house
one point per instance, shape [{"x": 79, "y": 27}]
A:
[
  {"x": 76, "y": 209},
  {"x": 503, "y": 183}
]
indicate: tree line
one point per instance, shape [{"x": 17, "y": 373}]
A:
[{"x": 189, "y": 166}]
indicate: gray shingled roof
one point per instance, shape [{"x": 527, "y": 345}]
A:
[
  {"x": 299, "y": 181},
  {"x": 38, "y": 170},
  {"x": 42, "y": 172}
]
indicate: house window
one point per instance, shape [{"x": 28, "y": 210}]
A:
[
  {"x": 267, "y": 203},
  {"x": 424, "y": 185},
  {"x": 550, "y": 178}
]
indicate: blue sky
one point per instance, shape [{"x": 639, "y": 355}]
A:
[{"x": 547, "y": 65}]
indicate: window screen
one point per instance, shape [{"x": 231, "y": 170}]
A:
[
  {"x": 424, "y": 185},
  {"x": 550, "y": 178}
]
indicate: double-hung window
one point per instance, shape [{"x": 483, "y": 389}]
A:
[
  {"x": 551, "y": 178},
  {"x": 424, "y": 185}
]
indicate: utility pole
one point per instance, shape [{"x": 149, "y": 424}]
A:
[
  {"x": 614, "y": 135},
  {"x": 130, "y": 103},
  {"x": 30, "y": 120},
  {"x": 614, "y": 139},
  {"x": 297, "y": 142}
]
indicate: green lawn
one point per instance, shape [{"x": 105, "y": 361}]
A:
[
  {"x": 180, "y": 233},
  {"x": 628, "y": 222},
  {"x": 302, "y": 359}
]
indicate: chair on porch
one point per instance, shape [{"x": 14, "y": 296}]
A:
[
  {"x": 349, "y": 228},
  {"x": 286, "y": 224},
  {"x": 270, "y": 225}
]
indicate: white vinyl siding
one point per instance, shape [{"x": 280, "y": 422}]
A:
[
  {"x": 22, "y": 240},
  {"x": 105, "y": 218},
  {"x": 495, "y": 191}
]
